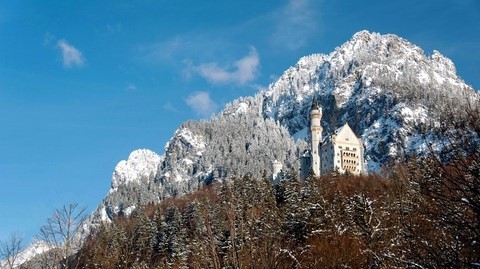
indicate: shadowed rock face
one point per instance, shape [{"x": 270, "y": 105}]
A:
[{"x": 386, "y": 88}]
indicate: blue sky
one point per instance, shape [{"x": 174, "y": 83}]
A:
[{"x": 84, "y": 83}]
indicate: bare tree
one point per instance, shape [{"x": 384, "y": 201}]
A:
[
  {"x": 62, "y": 234},
  {"x": 10, "y": 249}
]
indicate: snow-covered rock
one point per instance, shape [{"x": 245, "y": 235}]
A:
[
  {"x": 36, "y": 248},
  {"x": 390, "y": 92},
  {"x": 385, "y": 87},
  {"x": 141, "y": 163}
]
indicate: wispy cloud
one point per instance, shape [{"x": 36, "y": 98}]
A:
[
  {"x": 71, "y": 56},
  {"x": 296, "y": 22},
  {"x": 170, "y": 107},
  {"x": 177, "y": 49},
  {"x": 162, "y": 51},
  {"x": 114, "y": 28},
  {"x": 240, "y": 72},
  {"x": 216, "y": 54},
  {"x": 48, "y": 39},
  {"x": 131, "y": 87},
  {"x": 201, "y": 103}
]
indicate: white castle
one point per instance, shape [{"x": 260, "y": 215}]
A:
[{"x": 342, "y": 151}]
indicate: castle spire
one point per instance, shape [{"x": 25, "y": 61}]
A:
[
  {"x": 316, "y": 135},
  {"x": 314, "y": 103}
]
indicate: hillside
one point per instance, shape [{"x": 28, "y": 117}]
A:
[
  {"x": 401, "y": 101},
  {"x": 423, "y": 214},
  {"x": 393, "y": 95}
]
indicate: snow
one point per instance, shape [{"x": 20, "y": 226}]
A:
[
  {"x": 27, "y": 254},
  {"x": 352, "y": 75},
  {"x": 187, "y": 161},
  {"x": 423, "y": 77},
  {"x": 103, "y": 214},
  {"x": 141, "y": 163},
  {"x": 179, "y": 178},
  {"x": 418, "y": 114},
  {"x": 242, "y": 108},
  {"x": 196, "y": 141},
  {"x": 127, "y": 211}
]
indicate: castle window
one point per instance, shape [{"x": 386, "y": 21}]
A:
[
  {"x": 339, "y": 147},
  {"x": 354, "y": 149},
  {"x": 346, "y": 139},
  {"x": 347, "y": 148}
]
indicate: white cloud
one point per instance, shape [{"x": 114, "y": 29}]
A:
[
  {"x": 114, "y": 28},
  {"x": 295, "y": 24},
  {"x": 48, "y": 39},
  {"x": 170, "y": 107},
  {"x": 131, "y": 87},
  {"x": 162, "y": 51},
  {"x": 240, "y": 72},
  {"x": 71, "y": 56},
  {"x": 201, "y": 103}
]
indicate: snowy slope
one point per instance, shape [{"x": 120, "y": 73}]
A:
[
  {"x": 36, "y": 248},
  {"x": 382, "y": 85},
  {"x": 142, "y": 163},
  {"x": 390, "y": 92}
]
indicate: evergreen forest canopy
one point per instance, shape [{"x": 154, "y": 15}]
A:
[{"x": 423, "y": 213}]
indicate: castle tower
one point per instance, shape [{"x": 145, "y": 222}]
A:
[
  {"x": 277, "y": 171},
  {"x": 316, "y": 135}
]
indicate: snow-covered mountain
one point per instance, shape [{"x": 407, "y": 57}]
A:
[
  {"x": 390, "y": 92},
  {"x": 386, "y": 88},
  {"x": 35, "y": 249}
]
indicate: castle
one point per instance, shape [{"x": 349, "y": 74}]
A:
[{"x": 342, "y": 151}]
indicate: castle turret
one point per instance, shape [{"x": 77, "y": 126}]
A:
[
  {"x": 277, "y": 171},
  {"x": 316, "y": 135}
]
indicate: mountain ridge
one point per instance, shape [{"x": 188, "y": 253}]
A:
[
  {"x": 393, "y": 95},
  {"x": 385, "y": 87}
]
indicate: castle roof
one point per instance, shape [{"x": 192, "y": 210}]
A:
[
  {"x": 315, "y": 103},
  {"x": 342, "y": 129}
]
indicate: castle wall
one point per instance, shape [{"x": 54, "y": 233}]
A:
[{"x": 343, "y": 152}]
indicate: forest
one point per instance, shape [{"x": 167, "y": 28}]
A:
[{"x": 421, "y": 212}]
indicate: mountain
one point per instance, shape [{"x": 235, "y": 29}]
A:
[
  {"x": 393, "y": 95},
  {"x": 35, "y": 249}
]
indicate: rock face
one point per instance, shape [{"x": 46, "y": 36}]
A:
[
  {"x": 385, "y": 87},
  {"x": 141, "y": 164},
  {"x": 389, "y": 91}
]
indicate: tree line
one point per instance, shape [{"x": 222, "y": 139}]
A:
[{"x": 423, "y": 214}]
